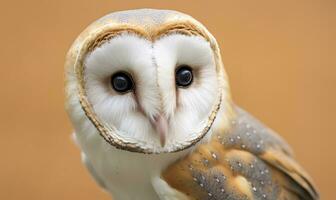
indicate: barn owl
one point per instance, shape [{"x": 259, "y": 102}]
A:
[{"x": 150, "y": 103}]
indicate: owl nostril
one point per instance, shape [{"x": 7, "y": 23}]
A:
[{"x": 160, "y": 123}]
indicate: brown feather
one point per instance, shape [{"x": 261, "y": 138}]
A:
[{"x": 246, "y": 162}]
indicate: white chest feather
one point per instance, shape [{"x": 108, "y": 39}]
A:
[{"x": 127, "y": 175}]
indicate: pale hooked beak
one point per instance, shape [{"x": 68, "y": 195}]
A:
[{"x": 161, "y": 126}]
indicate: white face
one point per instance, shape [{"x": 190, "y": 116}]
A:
[{"x": 158, "y": 94}]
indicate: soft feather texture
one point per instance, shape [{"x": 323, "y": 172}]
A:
[
  {"x": 127, "y": 175},
  {"x": 136, "y": 176},
  {"x": 124, "y": 174},
  {"x": 152, "y": 66}
]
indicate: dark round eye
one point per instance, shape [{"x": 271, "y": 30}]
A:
[
  {"x": 183, "y": 76},
  {"x": 122, "y": 82}
]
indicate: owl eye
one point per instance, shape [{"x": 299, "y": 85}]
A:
[
  {"x": 122, "y": 82},
  {"x": 183, "y": 76}
]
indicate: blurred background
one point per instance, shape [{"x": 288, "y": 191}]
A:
[{"x": 280, "y": 57}]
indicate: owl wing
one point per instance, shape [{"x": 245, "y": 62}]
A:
[{"x": 249, "y": 161}]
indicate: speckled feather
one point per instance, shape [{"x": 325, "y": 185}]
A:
[{"x": 248, "y": 161}]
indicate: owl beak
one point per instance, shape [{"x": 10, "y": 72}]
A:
[{"x": 161, "y": 125}]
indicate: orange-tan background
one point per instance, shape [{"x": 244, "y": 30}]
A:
[{"x": 280, "y": 56}]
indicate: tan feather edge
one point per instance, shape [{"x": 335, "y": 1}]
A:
[{"x": 290, "y": 168}]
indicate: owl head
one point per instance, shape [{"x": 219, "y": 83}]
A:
[{"x": 149, "y": 81}]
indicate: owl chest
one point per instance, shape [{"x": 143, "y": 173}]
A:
[
  {"x": 125, "y": 175},
  {"x": 127, "y": 178}
]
